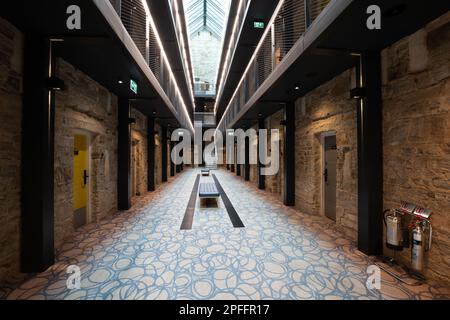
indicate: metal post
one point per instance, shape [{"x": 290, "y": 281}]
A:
[
  {"x": 172, "y": 164},
  {"x": 370, "y": 156},
  {"x": 289, "y": 154},
  {"x": 261, "y": 178},
  {"x": 247, "y": 159},
  {"x": 164, "y": 154},
  {"x": 124, "y": 155},
  {"x": 151, "y": 159},
  {"x": 37, "y": 236}
]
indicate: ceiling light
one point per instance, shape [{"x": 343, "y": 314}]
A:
[
  {"x": 184, "y": 52},
  {"x": 55, "y": 84},
  {"x": 120, "y": 82},
  {"x": 297, "y": 88},
  {"x": 266, "y": 31},
  {"x": 227, "y": 60},
  {"x": 357, "y": 93},
  {"x": 166, "y": 61}
]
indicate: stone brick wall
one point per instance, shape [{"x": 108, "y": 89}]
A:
[
  {"x": 275, "y": 183},
  {"x": 327, "y": 109},
  {"x": 416, "y": 132},
  {"x": 139, "y": 154},
  {"x": 204, "y": 52},
  {"x": 88, "y": 108},
  {"x": 11, "y": 53}
]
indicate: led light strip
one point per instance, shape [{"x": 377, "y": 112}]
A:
[
  {"x": 227, "y": 57},
  {"x": 263, "y": 38},
  {"x": 166, "y": 61},
  {"x": 184, "y": 52},
  {"x": 222, "y": 46}
]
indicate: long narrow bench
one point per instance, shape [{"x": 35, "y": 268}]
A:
[{"x": 208, "y": 191}]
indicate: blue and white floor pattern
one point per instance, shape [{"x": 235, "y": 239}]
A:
[{"x": 280, "y": 254}]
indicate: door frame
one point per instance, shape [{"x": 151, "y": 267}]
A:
[
  {"x": 323, "y": 135},
  {"x": 90, "y": 137}
]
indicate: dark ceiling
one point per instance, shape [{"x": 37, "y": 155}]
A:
[{"x": 95, "y": 49}]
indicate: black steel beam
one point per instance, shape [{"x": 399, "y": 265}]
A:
[
  {"x": 233, "y": 164},
  {"x": 37, "y": 250},
  {"x": 124, "y": 156},
  {"x": 172, "y": 164},
  {"x": 165, "y": 132},
  {"x": 289, "y": 154},
  {"x": 238, "y": 166},
  {"x": 261, "y": 178},
  {"x": 151, "y": 159},
  {"x": 182, "y": 157},
  {"x": 370, "y": 157},
  {"x": 247, "y": 159},
  {"x": 178, "y": 166}
]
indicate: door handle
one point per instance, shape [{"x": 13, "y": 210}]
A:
[
  {"x": 325, "y": 174},
  {"x": 85, "y": 177}
]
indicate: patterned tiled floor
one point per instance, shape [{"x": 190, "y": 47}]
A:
[{"x": 280, "y": 254}]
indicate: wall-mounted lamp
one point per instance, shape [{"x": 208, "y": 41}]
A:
[
  {"x": 357, "y": 93},
  {"x": 55, "y": 84},
  {"x": 131, "y": 120}
]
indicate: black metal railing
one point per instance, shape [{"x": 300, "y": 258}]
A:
[
  {"x": 137, "y": 20},
  {"x": 291, "y": 21}
]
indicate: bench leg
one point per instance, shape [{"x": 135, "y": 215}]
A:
[{"x": 209, "y": 203}]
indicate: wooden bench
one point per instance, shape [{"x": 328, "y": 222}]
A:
[
  {"x": 208, "y": 192},
  {"x": 205, "y": 172}
]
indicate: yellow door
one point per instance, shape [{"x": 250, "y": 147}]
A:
[{"x": 80, "y": 180}]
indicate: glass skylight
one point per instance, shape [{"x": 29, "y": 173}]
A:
[{"x": 206, "y": 24}]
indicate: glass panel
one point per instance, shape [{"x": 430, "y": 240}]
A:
[{"x": 206, "y": 24}]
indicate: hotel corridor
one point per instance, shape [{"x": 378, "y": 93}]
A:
[{"x": 205, "y": 152}]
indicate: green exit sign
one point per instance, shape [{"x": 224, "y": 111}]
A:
[
  {"x": 133, "y": 86},
  {"x": 258, "y": 24}
]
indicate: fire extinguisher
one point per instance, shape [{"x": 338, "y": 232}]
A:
[
  {"x": 393, "y": 223},
  {"x": 420, "y": 245}
]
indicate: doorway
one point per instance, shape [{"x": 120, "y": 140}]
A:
[
  {"x": 329, "y": 175},
  {"x": 80, "y": 180}
]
